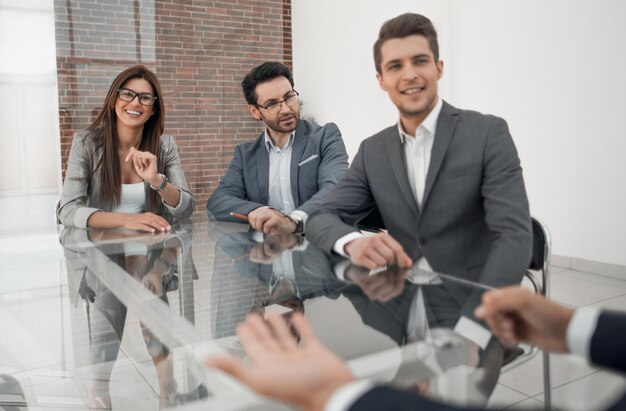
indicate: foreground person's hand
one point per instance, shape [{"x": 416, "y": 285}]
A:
[
  {"x": 304, "y": 375},
  {"x": 516, "y": 315}
]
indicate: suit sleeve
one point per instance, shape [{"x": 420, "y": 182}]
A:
[
  {"x": 72, "y": 209},
  {"x": 173, "y": 169},
  {"x": 230, "y": 195},
  {"x": 385, "y": 398},
  {"x": 506, "y": 209},
  {"x": 349, "y": 201},
  {"x": 607, "y": 343},
  {"x": 331, "y": 169}
]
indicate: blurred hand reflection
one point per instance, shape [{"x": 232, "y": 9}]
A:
[
  {"x": 378, "y": 286},
  {"x": 102, "y": 234},
  {"x": 272, "y": 247}
]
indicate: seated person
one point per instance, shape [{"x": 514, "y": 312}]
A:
[
  {"x": 310, "y": 377},
  {"x": 280, "y": 178},
  {"x": 447, "y": 182},
  {"x": 122, "y": 171}
]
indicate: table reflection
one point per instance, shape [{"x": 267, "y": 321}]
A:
[
  {"x": 155, "y": 262},
  {"x": 253, "y": 273},
  {"x": 407, "y": 327},
  {"x": 431, "y": 315}
]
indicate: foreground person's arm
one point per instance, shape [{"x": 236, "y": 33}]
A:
[{"x": 304, "y": 375}]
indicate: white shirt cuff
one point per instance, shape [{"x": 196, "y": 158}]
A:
[
  {"x": 340, "y": 269},
  {"x": 580, "y": 330},
  {"x": 299, "y": 215},
  {"x": 341, "y": 243},
  {"x": 343, "y": 398},
  {"x": 473, "y": 331},
  {"x": 301, "y": 247}
]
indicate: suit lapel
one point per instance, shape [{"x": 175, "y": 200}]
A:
[
  {"x": 445, "y": 130},
  {"x": 263, "y": 168},
  {"x": 299, "y": 142},
  {"x": 397, "y": 160}
]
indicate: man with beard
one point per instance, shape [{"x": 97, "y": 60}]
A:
[{"x": 276, "y": 181}]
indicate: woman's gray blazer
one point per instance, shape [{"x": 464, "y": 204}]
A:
[{"x": 81, "y": 193}]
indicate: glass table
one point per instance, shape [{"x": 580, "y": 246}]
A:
[{"x": 138, "y": 313}]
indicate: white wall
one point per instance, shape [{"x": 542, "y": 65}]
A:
[{"x": 554, "y": 70}]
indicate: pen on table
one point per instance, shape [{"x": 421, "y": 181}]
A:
[{"x": 241, "y": 217}]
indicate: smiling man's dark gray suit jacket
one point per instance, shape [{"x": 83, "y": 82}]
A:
[
  {"x": 474, "y": 220},
  {"x": 318, "y": 161}
]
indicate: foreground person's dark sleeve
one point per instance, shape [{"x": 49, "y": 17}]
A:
[
  {"x": 608, "y": 348},
  {"x": 386, "y": 398}
]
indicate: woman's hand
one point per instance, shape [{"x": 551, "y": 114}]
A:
[
  {"x": 145, "y": 165},
  {"x": 148, "y": 222}
]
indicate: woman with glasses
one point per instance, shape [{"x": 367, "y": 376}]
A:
[{"x": 122, "y": 172}]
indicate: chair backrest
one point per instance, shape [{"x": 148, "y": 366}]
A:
[
  {"x": 541, "y": 245},
  {"x": 372, "y": 221}
]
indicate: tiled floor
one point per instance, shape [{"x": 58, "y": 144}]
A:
[{"x": 40, "y": 281}]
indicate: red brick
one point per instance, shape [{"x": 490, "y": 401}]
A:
[{"x": 200, "y": 53}]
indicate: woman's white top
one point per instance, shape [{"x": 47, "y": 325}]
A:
[{"x": 133, "y": 199}]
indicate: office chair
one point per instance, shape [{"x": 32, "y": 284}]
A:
[
  {"x": 540, "y": 262},
  {"x": 372, "y": 222},
  {"x": 540, "y": 259},
  {"x": 538, "y": 274}
]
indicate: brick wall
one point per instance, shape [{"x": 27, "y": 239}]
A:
[{"x": 200, "y": 50}]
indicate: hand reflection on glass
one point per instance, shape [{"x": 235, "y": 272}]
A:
[
  {"x": 272, "y": 247},
  {"x": 379, "y": 286},
  {"x": 162, "y": 275},
  {"x": 103, "y": 234},
  {"x": 284, "y": 300}
]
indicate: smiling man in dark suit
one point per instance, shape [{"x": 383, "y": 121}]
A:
[
  {"x": 280, "y": 178},
  {"x": 447, "y": 182}
]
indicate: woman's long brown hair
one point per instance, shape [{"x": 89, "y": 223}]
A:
[{"x": 104, "y": 130}]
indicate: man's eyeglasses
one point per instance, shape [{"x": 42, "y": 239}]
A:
[
  {"x": 145, "y": 99},
  {"x": 273, "y": 107}
]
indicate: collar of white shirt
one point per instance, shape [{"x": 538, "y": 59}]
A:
[
  {"x": 429, "y": 124},
  {"x": 269, "y": 144}
]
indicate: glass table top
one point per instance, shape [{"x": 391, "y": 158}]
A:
[{"x": 135, "y": 314}]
